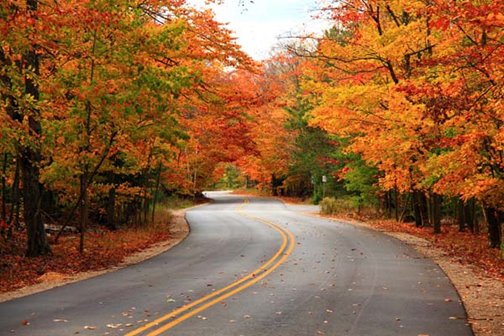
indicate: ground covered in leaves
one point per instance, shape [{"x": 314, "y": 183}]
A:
[{"x": 103, "y": 249}]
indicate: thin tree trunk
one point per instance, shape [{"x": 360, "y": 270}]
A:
[
  {"x": 424, "y": 209},
  {"x": 4, "y": 189},
  {"x": 89, "y": 182},
  {"x": 15, "y": 190},
  {"x": 145, "y": 206},
  {"x": 417, "y": 208},
  {"x": 436, "y": 212},
  {"x": 396, "y": 208},
  {"x": 111, "y": 204},
  {"x": 84, "y": 209},
  {"x": 156, "y": 191},
  {"x": 405, "y": 207},
  {"x": 461, "y": 218},
  {"x": 388, "y": 203},
  {"x": 494, "y": 218},
  {"x": 469, "y": 214},
  {"x": 13, "y": 221}
]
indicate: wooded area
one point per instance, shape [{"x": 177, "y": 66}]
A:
[
  {"x": 399, "y": 106},
  {"x": 110, "y": 105}
]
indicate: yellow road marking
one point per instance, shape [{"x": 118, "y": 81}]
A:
[{"x": 233, "y": 288}]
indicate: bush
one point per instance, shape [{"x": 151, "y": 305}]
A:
[{"x": 331, "y": 206}]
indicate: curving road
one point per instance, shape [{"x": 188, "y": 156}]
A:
[{"x": 255, "y": 266}]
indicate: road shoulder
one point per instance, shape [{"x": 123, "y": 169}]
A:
[{"x": 482, "y": 296}]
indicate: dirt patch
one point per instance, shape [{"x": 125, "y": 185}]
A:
[
  {"x": 178, "y": 230},
  {"x": 482, "y": 295},
  {"x": 52, "y": 276}
]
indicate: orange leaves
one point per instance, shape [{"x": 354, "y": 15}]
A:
[{"x": 414, "y": 88}]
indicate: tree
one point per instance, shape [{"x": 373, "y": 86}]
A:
[{"x": 20, "y": 60}]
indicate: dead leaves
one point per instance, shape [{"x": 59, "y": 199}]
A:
[{"x": 106, "y": 249}]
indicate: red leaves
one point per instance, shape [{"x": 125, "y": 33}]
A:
[
  {"x": 3, "y": 224},
  {"x": 441, "y": 23}
]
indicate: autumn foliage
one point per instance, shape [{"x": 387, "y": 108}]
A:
[
  {"x": 107, "y": 106},
  {"x": 409, "y": 96}
]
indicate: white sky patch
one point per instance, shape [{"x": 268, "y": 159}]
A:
[{"x": 260, "y": 25}]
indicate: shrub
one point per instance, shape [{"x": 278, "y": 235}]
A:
[{"x": 331, "y": 206}]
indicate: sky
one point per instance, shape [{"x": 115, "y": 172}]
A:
[{"x": 259, "y": 26}]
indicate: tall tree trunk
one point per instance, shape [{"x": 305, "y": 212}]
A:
[
  {"x": 31, "y": 157},
  {"x": 84, "y": 209},
  {"x": 156, "y": 191},
  {"x": 111, "y": 204},
  {"x": 470, "y": 215},
  {"x": 145, "y": 206},
  {"x": 13, "y": 221},
  {"x": 37, "y": 244},
  {"x": 396, "y": 204},
  {"x": 494, "y": 221},
  {"x": 461, "y": 219},
  {"x": 466, "y": 215},
  {"x": 407, "y": 200},
  {"x": 436, "y": 212},
  {"x": 3, "y": 216},
  {"x": 388, "y": 203},
  {"x": 417, "y": 208},
  {"x": 424, "y": 209}
]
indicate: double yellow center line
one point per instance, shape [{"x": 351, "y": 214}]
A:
[{"x": 168, "y": 321}]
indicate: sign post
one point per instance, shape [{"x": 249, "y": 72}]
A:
[{"x": 324, "y": 180}]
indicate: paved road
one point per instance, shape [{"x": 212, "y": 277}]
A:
[{"x": 253, "y": 266}]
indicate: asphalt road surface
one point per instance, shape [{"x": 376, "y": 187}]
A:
[{"x": 254, "y": 266}]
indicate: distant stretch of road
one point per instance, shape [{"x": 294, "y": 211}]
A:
[{"x": 254, "y": 266}]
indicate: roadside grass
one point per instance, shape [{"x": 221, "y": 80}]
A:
[{"x": 178, "y": 202}]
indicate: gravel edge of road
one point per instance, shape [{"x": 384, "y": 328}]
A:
[
  {"x": 482, "y": 296},
  {"x": 179, "y": 231}
]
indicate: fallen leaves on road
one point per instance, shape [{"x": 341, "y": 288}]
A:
[
  {"x": 114, "y": 326},
  {"x": 465, "y": 247}
]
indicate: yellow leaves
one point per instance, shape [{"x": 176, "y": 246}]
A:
[
  {"x": 487, "y": 189},
  {"x": 347, "y": 109}
]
